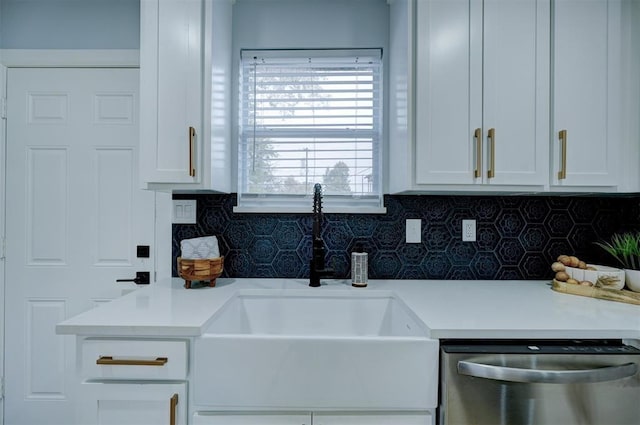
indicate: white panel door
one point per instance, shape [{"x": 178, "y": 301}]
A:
[{"x": 74, "y": 217}]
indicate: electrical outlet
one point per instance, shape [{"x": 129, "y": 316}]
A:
[
  {"x": 414, "y": 230},
  {"x": 468, "y": 230}
]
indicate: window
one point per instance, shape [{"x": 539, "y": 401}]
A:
[{"x": 306, "y": 117}]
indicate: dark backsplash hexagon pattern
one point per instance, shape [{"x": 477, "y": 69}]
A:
[{"x": 518, "y": 237}]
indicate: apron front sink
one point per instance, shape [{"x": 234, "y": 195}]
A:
[{"x": 310, "y": 350}]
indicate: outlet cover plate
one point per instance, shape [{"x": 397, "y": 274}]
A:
[
  {"x": 468, "y": 230},
  {"x": 414, "y": 230},
  {"x": 184, "y": 211}
]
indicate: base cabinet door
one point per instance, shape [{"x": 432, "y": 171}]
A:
[
  {"x": 132, "y": 404},
  {"x": 315, "y": 418},
  {"x": 251, "y": 418},
  {"x": 369, "y": 418}
]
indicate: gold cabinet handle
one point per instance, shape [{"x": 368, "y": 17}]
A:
[
  {"x": 478, "y": 136},
  {"x": 173, "y": 404},
  {"x": 492, "y": 157},
  {"x": 562, "y": 174},
  {"x": 110, "y": 361},
  {"x": 192, "y": 151}
]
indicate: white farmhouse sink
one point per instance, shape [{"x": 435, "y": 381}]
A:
[{"x": 315, "y": 349}]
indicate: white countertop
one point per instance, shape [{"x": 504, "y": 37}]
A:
[{"x": 450, "y": 309}]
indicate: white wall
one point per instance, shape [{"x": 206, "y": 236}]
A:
[
  {"x": 69, "y": 24},
  {"x": 292, "y": 24}
]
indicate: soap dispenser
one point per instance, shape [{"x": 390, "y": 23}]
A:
[{"x": 359, "y": 267}]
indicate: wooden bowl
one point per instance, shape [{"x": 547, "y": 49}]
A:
[{"x": 200, "y": 270}]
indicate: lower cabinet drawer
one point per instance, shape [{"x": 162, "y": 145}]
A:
[
  {"x": 133, "y": 359},
  {"x": 134, "y": 403}
]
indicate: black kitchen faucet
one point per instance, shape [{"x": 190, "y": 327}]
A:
[{"x": 317, "y": 268}]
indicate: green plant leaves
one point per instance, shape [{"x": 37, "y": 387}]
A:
[{"x": 625, "y": 248}]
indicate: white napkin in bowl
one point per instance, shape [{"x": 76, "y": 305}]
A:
[{"x": 198, "y": 248}]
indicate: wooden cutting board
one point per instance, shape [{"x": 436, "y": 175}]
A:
[{"x": 620, "y": 295}]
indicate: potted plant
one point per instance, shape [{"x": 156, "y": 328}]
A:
[{"x": 625, "y": 248}]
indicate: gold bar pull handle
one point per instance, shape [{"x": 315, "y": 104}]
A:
[
  {"x": 562, "y": 174},
  {"x": 478, "y": 136},
  {"x": 192, "y": 151},
  {"x": 110, "y": 361},
  {"x": 173, "y": 405},
  {"x": 492, "y": 156}
]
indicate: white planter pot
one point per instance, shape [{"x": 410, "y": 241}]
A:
[{"x": 632, "y": 279}]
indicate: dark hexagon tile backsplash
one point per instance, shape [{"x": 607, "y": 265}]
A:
[{"x": 517, "y": 236}]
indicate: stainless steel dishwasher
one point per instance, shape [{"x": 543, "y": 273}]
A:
[{"x": 553, "y": 382}]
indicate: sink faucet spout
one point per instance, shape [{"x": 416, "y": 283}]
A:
[{"x": 317, "y": 267}]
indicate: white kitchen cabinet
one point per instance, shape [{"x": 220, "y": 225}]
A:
[
  {"x": 132, "y": 381},
  {"x": 185, "y": 63},
  {"x": 586, "y": 139},
  {"x": 110, "y": 359},
  {"x": 315, "y": 418},
  {"x": 251, "y": 418},
  {"x": 171, "y": 77},
  {"x": 371, "y": 418},
  {"x": 140, "y": 403},
  {"x": 482, "y": 81}
]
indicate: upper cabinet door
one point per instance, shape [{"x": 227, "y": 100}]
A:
[
  {"x": 171, "y": 90},
  {"x": 516, "y": 92},
  {"x": 586, "y": 93},
  {"x": 482, "y": 93},
  {"x": 448, "y": 102}
]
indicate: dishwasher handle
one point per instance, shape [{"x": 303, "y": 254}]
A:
[{"x": 512, "y": 374}]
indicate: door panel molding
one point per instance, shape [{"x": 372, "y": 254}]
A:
[{"x": 45, "y": 352}]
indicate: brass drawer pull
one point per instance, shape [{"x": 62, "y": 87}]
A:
[
  {"x": 492, "y": 161},
  {"x": 562, "y": 174},
  {"x": 173, "y": 404},
  {"x": 110, "y": 361},
  {"x": 192, "y": 150},
  {"x": 478, "y": 136}
]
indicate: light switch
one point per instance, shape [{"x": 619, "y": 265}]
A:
[
  {"x": 414, "y": 230},
  {"x": 184, "y": 211}
]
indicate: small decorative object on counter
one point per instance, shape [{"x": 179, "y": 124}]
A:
[
  {"x": 207, "y": 269},
  {"x": 619, "y": 295},
  {"x": 573, "y": 271},
  {"x": 204, "y": 247},
  {"x": 200, "y": 260},
  {"x": 573, "y": 276},
  {"x": 359, "y": 269},
  {"x": 625, "y": 248}
]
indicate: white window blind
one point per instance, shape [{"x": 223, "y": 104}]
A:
[{"x": 306, "y": 117}]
